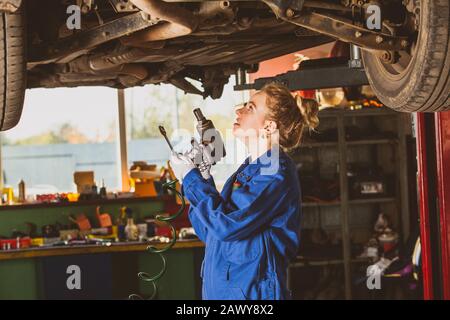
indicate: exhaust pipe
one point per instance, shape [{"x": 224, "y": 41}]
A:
[{"x": 99, "y": 66}]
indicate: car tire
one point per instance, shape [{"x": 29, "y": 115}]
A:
[
  {"x": 421, "y": 82},
  {"x": 12, "y": 67}
]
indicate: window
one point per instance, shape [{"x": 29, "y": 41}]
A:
[
  {"x": 62, "y": 131},
  {"x": 65, "y": 130},
  {"x": 153, "y": 105}
]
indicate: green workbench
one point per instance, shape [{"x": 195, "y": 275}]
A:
[{"x": 106, "y": 272}]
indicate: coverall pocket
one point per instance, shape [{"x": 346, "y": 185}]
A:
[
  {"x": 242, "y": 251},
  {"x": 263, "y": 290}
]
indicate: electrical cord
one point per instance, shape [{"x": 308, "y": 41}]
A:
[{"x": 144, "y": 276}]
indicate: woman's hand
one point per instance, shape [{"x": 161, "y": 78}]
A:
[
  {"x": 205, "y": 166},
  {"x": 202, "y": 158},
  {"x": 181, "y": 165}
]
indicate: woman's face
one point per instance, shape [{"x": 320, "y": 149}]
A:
[{"x": 251, "y": 117}]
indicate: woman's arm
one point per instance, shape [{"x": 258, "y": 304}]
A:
[
  {"x": 228, "y": 221},
  {"x": 198, "y": 226},
  {"x": 200, "y": 230}
]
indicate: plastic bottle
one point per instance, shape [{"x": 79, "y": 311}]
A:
[{"x": 131, "y": 230}]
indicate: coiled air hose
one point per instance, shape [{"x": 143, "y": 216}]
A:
[{"x": 144, "y": 276}]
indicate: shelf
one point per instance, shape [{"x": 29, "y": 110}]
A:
[
  {"x": 320, "y": 204},
  {"x": 372, "y": 201},
  {"x": 97, "y": 202},
  {"x": 349, "y": 143},
  {"x": 319, "y": 263},
  {"x": 318, "y": 144},
  {"x": 334, "y": 112},
  {"x": 314, "y": 263},
  {"x": 370, "y": 112},
  {"x": 356, "y": 201},
  {"x": 90, "y": 249},
  {"x": 371, "y": 141}
]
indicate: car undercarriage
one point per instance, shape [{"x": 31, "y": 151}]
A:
[
  {"x": 128, "y": 43},
  {"x": 124, "y": 43}
]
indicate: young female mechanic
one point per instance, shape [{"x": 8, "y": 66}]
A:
[{"x": 251, "y": 228}]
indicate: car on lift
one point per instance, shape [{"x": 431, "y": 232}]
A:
[{"x": 126, "y": 43}]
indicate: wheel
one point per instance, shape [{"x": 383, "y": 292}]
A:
[
  {"x": 417, "y": 80},
  {"x": 12, "y": 67}
]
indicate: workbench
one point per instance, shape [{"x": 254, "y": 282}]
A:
[
  {"x": 36, "y": 252},
  {"x": 107, "y": 272}
]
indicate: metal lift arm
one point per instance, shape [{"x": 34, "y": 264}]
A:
[{"x": 313, "y": 74}]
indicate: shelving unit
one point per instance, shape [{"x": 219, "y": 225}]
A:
[
  {"x": 318, "y": 263},
  {"x": 357, "y": 201},
  {"x": 369, "y": 142},
  {"x": 319, "y": 144},
  {"x": 343, "y": 150}
]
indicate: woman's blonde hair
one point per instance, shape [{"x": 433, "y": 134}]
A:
[{"x": 292, "y": 114}]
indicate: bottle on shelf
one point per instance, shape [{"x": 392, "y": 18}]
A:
[
  {"x": 21, "y": 191},
  {"x": 131, "y": 230},
  {"x": 94, "y": 190},
  {"x": 121, "y": 235},
  {"x": 103, "y": 190}
]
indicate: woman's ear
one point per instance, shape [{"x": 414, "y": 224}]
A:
[{"x": 269, "y": 127}]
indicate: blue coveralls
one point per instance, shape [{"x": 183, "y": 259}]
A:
[{"x": 251, "y": 231}]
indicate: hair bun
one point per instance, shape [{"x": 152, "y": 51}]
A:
[
  {"x": 309, "y": 110},
  {"x": 290, "y": 113}
]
